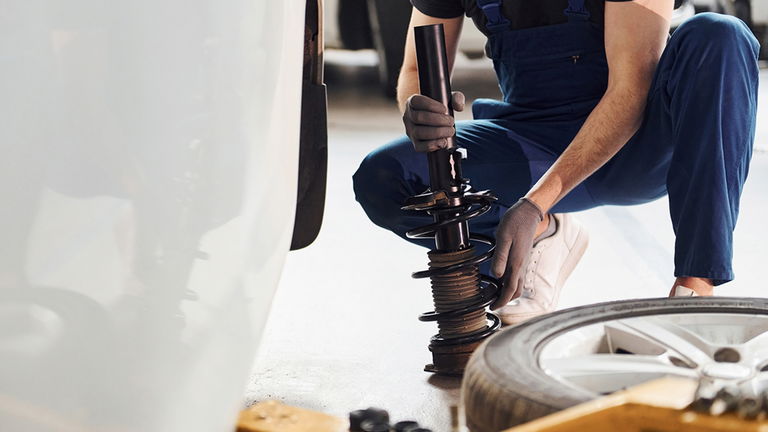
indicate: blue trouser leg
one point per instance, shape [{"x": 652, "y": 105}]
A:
[
  {"x": 695, "y": 142},
  {"x": 497, "y": 159},
  {"x": 394, "y": 172}
]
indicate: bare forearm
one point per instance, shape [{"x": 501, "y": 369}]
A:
[
  {"x": 611, "y": 124},
  {"x": 635, "y": 35},
  {"x": 407, "y": 86},
  {"x": 408, "y": 82}
]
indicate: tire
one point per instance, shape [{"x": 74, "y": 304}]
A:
[
  {"x": 389, "y": 24},
  {"x": 504, "y": 386},
  {"x": 741, "y": 9},
  {"x": 354, "y": 27},
  {"x": 762, "y": 37}
]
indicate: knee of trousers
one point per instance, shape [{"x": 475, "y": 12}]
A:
[
  {"x": 711, "y": 34},
  {"x": 377, "y": 184}
]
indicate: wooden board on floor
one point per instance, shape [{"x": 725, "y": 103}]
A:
[{"x": 272, "y": 416}]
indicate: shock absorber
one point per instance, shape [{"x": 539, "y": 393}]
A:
[{"x": 460, "y": 293}]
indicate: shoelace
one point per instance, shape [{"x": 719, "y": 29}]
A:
[{"x": 528, "y": 290}]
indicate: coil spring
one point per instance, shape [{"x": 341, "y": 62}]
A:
[{"x": 473, "y": 205}]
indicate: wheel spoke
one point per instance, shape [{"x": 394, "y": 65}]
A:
[
  {"x": 761, "y": 377},
  {"x": 610, "y": 372},
  {"x": 666, "y": 335},
  {"x": 606, "y": 356},
  {"x": 757, "y": 349},
  {"x": 757, "y": 384}
]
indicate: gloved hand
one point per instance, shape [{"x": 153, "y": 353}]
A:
[
  {"x": 427, "y": 122},
  {"x": 514, "y": 241}
]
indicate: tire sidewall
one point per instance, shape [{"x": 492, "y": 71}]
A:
[{"x": 508, "y": 361}]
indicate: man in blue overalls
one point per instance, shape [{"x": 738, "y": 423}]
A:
[{"x": 600, "y": 107}]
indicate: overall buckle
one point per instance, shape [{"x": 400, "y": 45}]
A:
[
  {"x": 496, "y": 20},
  {"x": 581, "y": 15}
]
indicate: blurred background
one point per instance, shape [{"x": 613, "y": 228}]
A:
[{"x": 380, "y": 25}]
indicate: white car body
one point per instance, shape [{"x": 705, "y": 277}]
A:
[{"x": 148, "y": 185}]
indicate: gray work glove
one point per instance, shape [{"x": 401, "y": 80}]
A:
[
  {"x": 514, "y": 241},
  {"x": 427, "y": 122}
]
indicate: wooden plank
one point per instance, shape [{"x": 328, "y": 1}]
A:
[{"x": 272, "y": 416}]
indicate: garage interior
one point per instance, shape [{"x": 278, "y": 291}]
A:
[
  {"x": 344, "y": 335},
  {"x": 166, "y": 168}
]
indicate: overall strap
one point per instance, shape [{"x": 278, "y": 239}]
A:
[
  {"x": 576, "y": 11},
  {"x": 497, "y": 22}
]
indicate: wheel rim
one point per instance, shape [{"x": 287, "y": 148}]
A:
[{"x": 609, "y": 356}]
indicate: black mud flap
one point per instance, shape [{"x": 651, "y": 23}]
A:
[{"x": 313, "y": 151}]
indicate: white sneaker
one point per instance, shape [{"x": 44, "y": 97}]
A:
[
  {"x": 681, "y": 291},
  {"x": 552, "y": 262}
]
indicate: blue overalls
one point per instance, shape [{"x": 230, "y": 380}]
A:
[{"x": 695, "y": 142}]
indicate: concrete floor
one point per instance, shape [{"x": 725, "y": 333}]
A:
[{"x": 343, "y": 332}]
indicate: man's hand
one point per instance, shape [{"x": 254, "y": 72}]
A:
[
  {"x": 514, "y": 240},
  {"x": 427, "y": 122}
]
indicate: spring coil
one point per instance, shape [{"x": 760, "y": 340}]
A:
[{"x": 472, "y": 205}]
